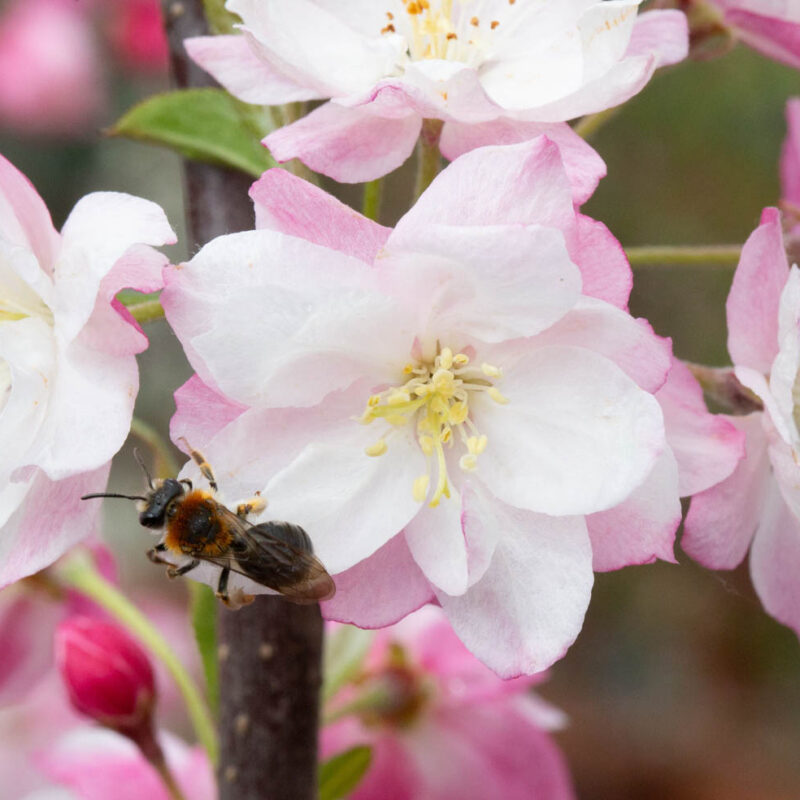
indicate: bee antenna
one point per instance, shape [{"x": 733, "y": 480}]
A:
[
  {"x": 112, "y": 494},
  {"x": 138, "y": 456}
]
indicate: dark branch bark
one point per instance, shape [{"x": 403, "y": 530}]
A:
[{"x": 271, "y": 651}]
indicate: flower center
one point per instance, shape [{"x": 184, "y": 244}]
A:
[
  {"x": 434, "y": 29},
  {"x": 436, "y": 397}
]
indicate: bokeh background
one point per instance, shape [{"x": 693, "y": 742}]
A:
[{"x": 679, "y": 685}]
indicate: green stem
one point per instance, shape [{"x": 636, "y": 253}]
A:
[
  {"x": 371, "y": 205},
  {"x": 715, "y": 254},
  {"x": 146, "y": 310},
  {"x": 79, "y": 573},
  {"x": 429, "y": 159},
  {"x": 588, "y": 126},
  {"x": 165, "y": 464}
]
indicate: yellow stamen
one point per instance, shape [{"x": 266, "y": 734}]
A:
[
  {"x": 420, "y": 490},
  {"x": 497, "y": 396},
  {"x": 377, "y": 449}
]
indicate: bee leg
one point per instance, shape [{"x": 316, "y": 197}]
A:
[
  {"x": 222, "y": 586},
  {"x": 255, "y": 505},
  {"x": 154, "y": 554},
  {"x": 173, "y": 571},
  {"x": 205, "y": 467}
]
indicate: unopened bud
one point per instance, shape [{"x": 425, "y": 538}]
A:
[{"x": 107, "y": 674}]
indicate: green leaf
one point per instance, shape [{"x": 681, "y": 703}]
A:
[
  {"x": 219, "y": 19},
  {"x": 204, "y": 622},
  {"x": 340, "y": 775},
  {"x": 202, "y": 124}
]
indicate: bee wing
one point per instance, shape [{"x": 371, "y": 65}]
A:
[{"x": 277, "y": 555}]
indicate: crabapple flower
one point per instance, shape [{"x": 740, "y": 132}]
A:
[
  {"x": 757, "y": 506},
  {"x": 772, "y": 27},
  {"x": 438, "y": 405},
  {"x": 68, "y": 375},
  {"x": 49, "y": 67},
  {"x": 107, "y": 674},
  {"x": 442, "y": 725},
  {"x": 494, "y": 72}
]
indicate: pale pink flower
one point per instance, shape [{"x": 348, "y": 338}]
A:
[
  {"x": 446, "y": 726},
  {"x": 790, "y": 167},
  {"x": 770, "y": 26},
  {"x": 50, "y": 75},
  {"x": 68, "y": 375},
  {"x": 757, "y": 506},
  {"x": 505, "y": 404},
  {"x": 495, "y": 72}
]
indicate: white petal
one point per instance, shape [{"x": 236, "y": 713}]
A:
[
  {"x": 576, "y": 436},
  {"x": 529, "y": 606}
]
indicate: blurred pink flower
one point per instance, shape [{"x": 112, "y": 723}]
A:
[
  {"x": 107, "y": 674},
  {"x": 498, "y": 73},
  {"x": 444, "y": 726},
  {"x": 50, "y": 73},
  {"x": 136, "y": 33},
  {"x": 474, "y": 297},
  {"x": 68, "y": 375},
  {"x": 758, "y": 504},
  {"x": 770, "y": 26}
]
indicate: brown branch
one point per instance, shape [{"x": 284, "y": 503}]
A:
[{"x": 270, "y": 652}]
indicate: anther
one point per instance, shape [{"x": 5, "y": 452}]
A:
[
  {"x": 475, "y": 22},
  {"x": 420, "y": 490},
  {"x": 491, "y": 371},
  {"x": 377, "y": 449},
  {"x": 494, "y": 24},
  {"x": 496, "y": 395}
]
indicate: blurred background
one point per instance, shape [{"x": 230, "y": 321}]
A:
[{"x": 679, "y": 685}]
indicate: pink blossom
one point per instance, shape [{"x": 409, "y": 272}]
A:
[
  {"x": 528, "y": 405},
  {"x": 757, "y": 505},
  {"x": 445, "y": 725},
  {"x": 50, "y": 76},
  {"x": 136, "y": 31},
  {"x": 68, "y": 375},
  {"x": 498, "y": 73},
  {"x": 770, "y": 26}
]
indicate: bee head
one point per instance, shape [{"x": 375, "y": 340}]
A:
[{"x": 153, "y": 512}]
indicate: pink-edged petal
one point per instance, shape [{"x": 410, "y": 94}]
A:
[
  {"x": 24, "y": 218},
  {"x": 111, "y": 327},
  {"x": 773, "y": 37},
  {"x": 201, "y": 412},
  {"x": 494, "y": 282},
  {"x": 630, "y": 343},
  {"x": 437, "y": 543},
  {"x": 316, "y": 46},
  {"x": 315, "y": 324},
  {"x": 480, "y": 751},
  {"x": 330, "y": 478},
  {"x": 576, "y": 436},
  {"x": 527, "y": 609},
  {"x": 521, "y": 184},
  {"x": 663, "y": 32},
  {"x": 98, "y": 232},
  {"x": 754, "y": 299},
  {"x": 99, "y": 764},
  {"x": 604, "y": 267},
  {"x": 721, "y": 520},
  {"x": 582, "y": 163},
  {"x": 642, "y": 528},
  {"x": 42, "y": 519},
  {"x": 350, "y": 145},
  {"x": 775, "y": 561},
  {"x": 381, "y": 589},
  {"x": 238, "y": 63},
  {"x": 790, "y": 156},
  {"x": 707, "y": 446},
  {"x": 288, "y": 204},
  {"x": 90, "y": 404}
]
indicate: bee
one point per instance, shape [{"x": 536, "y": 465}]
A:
[{"x": 278, "y": 555}]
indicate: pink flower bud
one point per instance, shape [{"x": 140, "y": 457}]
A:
[{"x": 107, "y": 674}]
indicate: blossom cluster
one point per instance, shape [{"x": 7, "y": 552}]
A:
[{"x": 460, "y": 410}]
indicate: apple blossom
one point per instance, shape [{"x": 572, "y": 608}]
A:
[
  {"x": 441, "y": 725},
  {"x": 757, "y": 506},
  {"x": 68, "y": 375},
  {"x": 497, "y": 404},
  {"x": 497, "y": 72}
]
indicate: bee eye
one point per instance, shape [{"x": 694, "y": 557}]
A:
[{"x": 171, "y": 509}]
